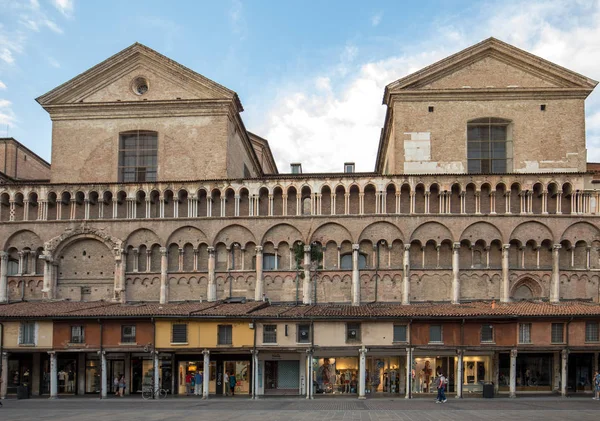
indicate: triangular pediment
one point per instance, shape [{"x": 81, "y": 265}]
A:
[
  {"x": 492, "y": 64},
  {"x": 115, "y": 80}
]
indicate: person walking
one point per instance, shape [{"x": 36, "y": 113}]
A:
[
  {"x": 226, "y": 383},
  {"x": 441, "y": 387},
  {"x": 232, "y": 383},
  {"x": 116, "y": 384},
  {"x": 122, "y": 385},
  {"x": 596, "y": 386},
  {"x": 198, "y": 385}
]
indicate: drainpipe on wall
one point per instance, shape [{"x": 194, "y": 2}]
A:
[
  {"x": 409, "y": 359},
  {"x": 254, "y": 363},
  {"x": 101, "y": 359}
]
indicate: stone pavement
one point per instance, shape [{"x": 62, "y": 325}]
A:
[{"x": 297, "y": 409}]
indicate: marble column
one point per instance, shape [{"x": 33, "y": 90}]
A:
[
  {"x": 564, "y": 372},
  {"x": 164, "y": 286},
  {"x": 3, "y": 277},
  {"x": 53, "y": 375},
  {"x": 555, "y": 280},
  {"x": 362, "y": 372},
  {"x": 406, "y": 275},
  {"x": 505, "y": 297},
  {"x": 103, "y": 375},
  {"x": 513, "y": 374},
  {"x": 306, "y": 295},
  {"x": 4, "y": 374},
  {"x": 455, "y": 273},
  {"x": 355, "y": 276},
  {"x": 258, "y": 289},
  {"x": 206, "y": 373},
  {"x": 156, "y": 371},
  {"x": 255, "y": 363},
  {"x": 212, "y": 285},
  {"x": 459, "y": 374},
  {"x": 409, "y": 378},
  {"x": 309, "y": 374}
]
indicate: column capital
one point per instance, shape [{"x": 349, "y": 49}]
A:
[
  {"x": 505, "y": 247},
  {"x": 355, "y": 247},
  {"x": 363, "y": 350},
  {"x": 259, "y": 249},
  {"x": 3, "y": 255},
  {"x": 565, "y": 353},
  {"x": 211, "y": 250},
  {"x": 163, "y": 251},
  {"x": 513, "y": 353},
  {"x": 406, "y": 247},
  {"x": 456, "y": 246},
  {"x": 205, "y": 352},
  {"x": 306, "y": 249},
  {"x": 556, "y": 247}
]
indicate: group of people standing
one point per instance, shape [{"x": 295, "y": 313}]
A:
[
  {"x": 230, "y": 382},
  {"x": 119, "y": 384},
  {"x": 194, "y": 381}
]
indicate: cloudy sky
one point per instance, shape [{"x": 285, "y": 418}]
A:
[{"x": 310, "y": 74}]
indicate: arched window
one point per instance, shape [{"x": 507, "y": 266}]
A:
[
  {"x": 138, "y": 156},
  {"x": 489, "y": 145}
]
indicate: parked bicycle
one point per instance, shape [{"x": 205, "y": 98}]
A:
[{"x": 157, "y": 393}]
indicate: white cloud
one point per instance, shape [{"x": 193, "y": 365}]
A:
[
  {"x": 237, "y": 19},
  {"x": 65, "y": 7},
  {"x": 322, "y": 128},
  {"x": 53, "y": 62},
  {"x": 6, "y": 55},
  {"x": 7, "y": 116},
  {"x": 376, "y": 19},
  {"x": 2, "y": 85}
]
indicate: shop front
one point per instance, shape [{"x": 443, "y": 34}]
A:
[
  {"x": 20, "y": 372},
  {"x": 385, "y": 374},
  {"x": 580, "y": 376},
  {"x": 279, "y": 373},
  {"x": 67, "y": 373},
  {"x": 476, "y": 372},
  {"x": 335, "y": 375},
  {"x": 534, "y": 372},
  {"x": 424, "y": 373},
  {"x": 238, "y": 364}
]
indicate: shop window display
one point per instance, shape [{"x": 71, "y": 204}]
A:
[
  {"x": 385, "y": 375},
  {"x": 424, "y": 372},
  {"x": 67, "y": 375},
  {"x": 241, "y": 369},
  {"x": 336, "y": 375},
  {"x": 476, "y": 372},
  {"x": 92, "y": 375},
  {"x": 534, "y": 372}
]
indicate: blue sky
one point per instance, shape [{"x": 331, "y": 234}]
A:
[{"x": 310, "y": 74}]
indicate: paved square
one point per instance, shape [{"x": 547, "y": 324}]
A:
[{"x": 286, "y": 409}]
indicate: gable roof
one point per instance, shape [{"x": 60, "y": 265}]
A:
[
  {"x": 562, "y": 77},
  {"x": 78, "y": 87}
]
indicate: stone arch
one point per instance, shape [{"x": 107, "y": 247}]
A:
[
  {"x": 55, "y": 245},
  {"x": 142, "y": 236},
  {"x": 431, "y": 231},
  {"x": 187, "y": 234},
  {"x": 23, "y": 239},
  {"x": 234, "y": 233},
  {"x": 581, "y": 231},
  {"x": 526, "y": 288},
  {"x": 282, "y": 232},
  {"x": 331, "y": 231},
  {"x": 482, "y": 231},
  {"x": 532, "y": 230},
  {"x": 381, "y": 231}
]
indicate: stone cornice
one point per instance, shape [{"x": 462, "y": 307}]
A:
[
  {"x": 469, "y": 94},
  {"x": 128, "y": 109}
]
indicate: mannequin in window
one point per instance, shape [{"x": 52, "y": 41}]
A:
[{"x": 426, "y": 376}]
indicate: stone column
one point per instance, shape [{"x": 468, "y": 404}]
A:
[
  {"x": 206, "y": 374},
  {"x": 4, "y": 278},
  {"x": 409, "y": 378},
  {"x": 306, "y": 296},
  {"x": 119, "y": 279},
  {"x": 258, "y": 289},
  {"x": 53, "y": 375},
  {"x": 513, "y": 374},
  {"x": 556, "y": 372},
  {"x": 255, "y": 363},
  {"x": 103, "y": 375},
  {"x": 212, "y": 285},
  {"x": 362, "y": 372},
  {"x": 505, "y": 298},
  {"x": 156, "y": 367},
  {"x": 455, "y": 273},
  {"x": 555, "y": 281},
  {"x": 595, "y": 362},
  {"x": 406, "y": 275},
  {"x": 4, "y": 374},
  {"x": 355, "y": 276},
  {"x": 48, "y": 284},
  {"x": 496, "y": 371},
  {"x": 309, "y": 374},
  {"x": 127, "y": 373},
  {"x": 35, "y": 374},
  {"x": 459, "y": 374},
  {"x": 564, "y": 372},
  {"x": 164, "y": 286}
]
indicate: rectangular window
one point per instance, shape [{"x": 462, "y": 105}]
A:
[
  {"x": 77, "y": 336},
  {"x": 270, "y": 334},
  {"x": 487, "y": 333},
  {"x": 296, "y": 168},
  {"x": 488, "y": 145},
  {"x": 435, "y": 334},
  {"x": 27, "y": 334},
  {"x": 138, "y": 156},
  {"x": 179, "y": 333},
  {"x": 399, "y": 333},
  {"x": 303, "y": 334},
  {"x": 224, "y": 335},
  {"x": 352, "y": 332},
  {"x": 558, "y": 336},
  {"x": 591, "y": 332},
  {"x": 268, "y": 261},
  {"x": 525, "y": 333},
  {"x": 349, "y": 167},
  {"x": 128, "y": 334}
]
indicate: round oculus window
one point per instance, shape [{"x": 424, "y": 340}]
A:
[{"x": 140, "y": 85}]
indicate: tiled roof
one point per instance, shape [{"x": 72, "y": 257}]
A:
[{"x": 251, "y": 309}]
